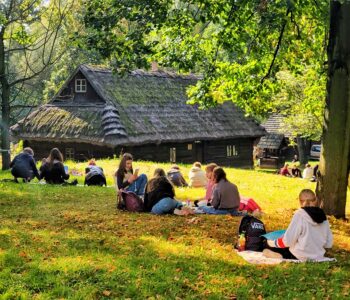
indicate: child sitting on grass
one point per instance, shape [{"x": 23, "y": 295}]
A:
[{"x": 307, "y": 235}]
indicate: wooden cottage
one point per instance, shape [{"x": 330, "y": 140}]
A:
[{"x": 99, "y": 114}]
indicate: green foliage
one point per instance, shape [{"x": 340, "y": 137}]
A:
[
  {"x": 301, "y": 99},
  {"x": 238, "y": 46},
  {"x": 70, "y": 242}
]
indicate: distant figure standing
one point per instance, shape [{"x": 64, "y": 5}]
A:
[
  {"x": 52, "y": 169},
  {"x": 175, "y": 176},
  {"x": 23, "y": 166},
  {"x": 94, "y": 175},
  {"x": 197, "y": 176},
  {"x": 295, "y": 159}
]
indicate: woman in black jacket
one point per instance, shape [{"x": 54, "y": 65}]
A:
[{"x": 53, "y": 169}]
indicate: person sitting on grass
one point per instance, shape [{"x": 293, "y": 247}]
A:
[
  {"x": 225, "y": 198},
  {"x": 129, "y": 180},
  {"x": 94, "y": 175},
  {"x": 284, "y": 171},
  {"x": 23, "y": 166},
  {"x": 308, "y": 234},
  {"x": 197, "y": 176},
  {"x": 296, "y": 171},
  {"x": 160, "y": 195},
  {"x": 308, "y": 172},
  {"x": 210, "y": 186},
  {"x": 175, "y": 176},
  {"x": 53, "y": 170}
]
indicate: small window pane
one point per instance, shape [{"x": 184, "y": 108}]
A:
[
  {"x": 80, "y": 85},
  {"x": 189, "y": 146}
]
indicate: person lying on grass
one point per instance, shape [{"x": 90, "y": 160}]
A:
[
  {"x": 175, "y": 176},
  {"x": 225, "y": 198},
  {"x": 129, "y": 180},
  {"x": 23, "y": 166},
  {"x": 308, "y": 234}
]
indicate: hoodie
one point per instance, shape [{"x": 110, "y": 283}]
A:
[
  {"x": 307, "y": 235},
  {"x": 197, "y": 177}
]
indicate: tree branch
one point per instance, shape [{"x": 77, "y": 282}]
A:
[{"x": 276, "y": 49}]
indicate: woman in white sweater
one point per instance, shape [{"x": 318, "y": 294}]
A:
[{"x": 308, "y": 234}]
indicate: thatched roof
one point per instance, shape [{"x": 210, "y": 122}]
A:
[{"x": 141, "y": 107}]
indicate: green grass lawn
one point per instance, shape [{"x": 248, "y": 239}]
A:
[{"x": 71, "y": 243}]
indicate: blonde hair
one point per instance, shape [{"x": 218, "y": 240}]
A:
[
  {"x": 307, "y": 198},
  {"x": 210, "y": 167},
  {"x": 197, "y": 164}
]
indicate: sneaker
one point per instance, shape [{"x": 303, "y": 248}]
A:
[
  {"x": 74, "y": 182},
  {"x": 271, "y": 254}
]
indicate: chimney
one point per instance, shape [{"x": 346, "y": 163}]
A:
[{"x": 154, "y": 66}]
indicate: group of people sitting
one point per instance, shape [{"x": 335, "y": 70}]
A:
[
  {"x": 306, "y": 237},
  {"x": 158, "y": 194},
  {"x": 308, "y": 173},
  {"x": 52, "y": 169}
]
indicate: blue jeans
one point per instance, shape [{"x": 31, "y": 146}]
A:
[
  {"x": 165, "y": 206},
  {"x": 138, "y": 186},
  {"x": 212, "y": 211}
]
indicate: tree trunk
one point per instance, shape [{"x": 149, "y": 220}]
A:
[
  {"x": 335, "y": 154},
  {"x": 5, "y": 107},
  {"x": 303, "y": 150}
]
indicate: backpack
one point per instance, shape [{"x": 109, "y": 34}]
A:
[
  {"x": 129, "y": 201},
  {"x": 253, "y": 229}
]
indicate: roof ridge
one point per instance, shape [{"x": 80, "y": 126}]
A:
[{"x": 141, "y": 72}]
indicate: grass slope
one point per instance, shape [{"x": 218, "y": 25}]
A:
[{"x": 71, "y": 243}]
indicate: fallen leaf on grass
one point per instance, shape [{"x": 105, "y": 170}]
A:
[{"x": 106, "y": 293}]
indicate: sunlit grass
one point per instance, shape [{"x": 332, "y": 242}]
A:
[{"x": 70, "y": 243}]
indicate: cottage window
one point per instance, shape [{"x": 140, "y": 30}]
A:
[
  {"x": 172, "y": 155},
  {"x": 69, "y": 153},
  {"x": 231, "y": 151},
  {"x": 80, "y": 85},
  {"x": 189, "y": 146}
]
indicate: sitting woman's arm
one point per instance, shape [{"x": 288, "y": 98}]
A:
[
  {"x": 120, "y": 183},
  {"x": 291, "y": 235}
]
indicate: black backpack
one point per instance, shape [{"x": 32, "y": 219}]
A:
[{"x": 253, "y": 229}]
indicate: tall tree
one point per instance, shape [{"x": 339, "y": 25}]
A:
[
  {"x": 29, "y": 37},
  {"x": 335, "y": 153},
  {"x": 239, "y": 46}
]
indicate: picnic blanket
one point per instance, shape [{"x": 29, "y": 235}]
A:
[{"x": 258, "y": 258}]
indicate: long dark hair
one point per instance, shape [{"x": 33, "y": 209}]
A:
[
  {"x": 122, "y": 165},
  {"x": 55, "y": 154},
  {"x": 219, "y": 174}
]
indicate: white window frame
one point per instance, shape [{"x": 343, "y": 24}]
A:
[
  {"x": 80, "y": 85},
  {"x": 231, "y": 151},
  {"x": 173, "y": 155},
  {"x": 69, "y": 153}
]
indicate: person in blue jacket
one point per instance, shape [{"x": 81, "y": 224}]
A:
[{"x": 23, "y": 166}]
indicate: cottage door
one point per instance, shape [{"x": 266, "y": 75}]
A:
[{"x": 198, "y": 151}]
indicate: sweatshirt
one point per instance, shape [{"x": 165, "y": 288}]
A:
[
  {"x": 197, "y": 177},
  {"x": 307, "y": 235},
  {"x": 225, "y": 195}
]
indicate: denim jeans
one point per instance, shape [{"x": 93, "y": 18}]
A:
[
  {"x": 165, "y": 206},
  {"x": 138, "y": 186},
  {"x": 212, "y": 211}
]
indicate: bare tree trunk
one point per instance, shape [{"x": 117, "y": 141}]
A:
[
  {"x": 302, "y": 150},
  {"x": 5, "y": 107},
  {"x": 335, "y": 155}
]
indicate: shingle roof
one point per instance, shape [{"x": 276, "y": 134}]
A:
[
  {"x": 271, "y": 141},
  {"x": 274, "y": 124},
  {"x": 141, "y": 107}
]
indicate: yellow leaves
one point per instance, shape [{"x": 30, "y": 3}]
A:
[{"x": 106, "y": 293}]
